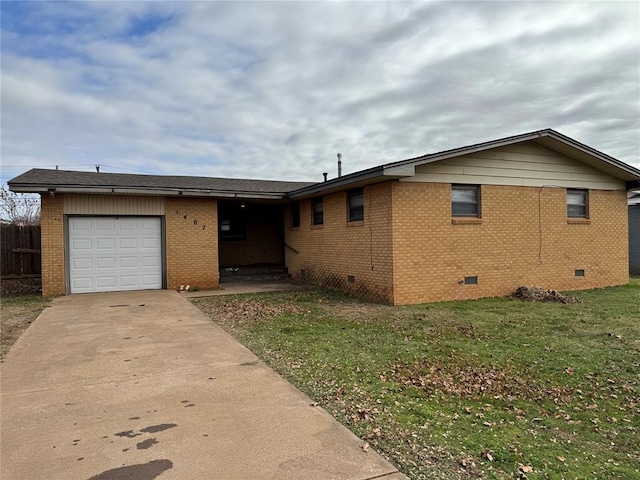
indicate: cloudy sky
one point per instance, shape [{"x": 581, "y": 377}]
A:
[{"x": 274, "y": 90}]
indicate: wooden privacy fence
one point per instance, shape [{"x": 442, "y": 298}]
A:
[{"x": 20, "y": 250}]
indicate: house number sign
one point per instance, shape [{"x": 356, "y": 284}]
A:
[{"x": 194, "y": 221}]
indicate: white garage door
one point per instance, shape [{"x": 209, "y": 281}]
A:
[{"x": 108, "y": 254}]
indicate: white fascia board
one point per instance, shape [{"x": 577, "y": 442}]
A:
[
  {"x": 148, "y": 191},
  {"x": 400, "y": 171}
]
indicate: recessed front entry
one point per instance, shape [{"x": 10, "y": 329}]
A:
[{"x": 108, "y": 254}]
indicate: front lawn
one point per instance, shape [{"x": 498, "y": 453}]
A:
[
  {"x": 16, "y": 314},
  {"x": 492, "y": 388}
]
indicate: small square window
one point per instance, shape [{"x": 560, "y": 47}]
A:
[
  {"x": 470, "y": 280},
  {"x": 577, "y": 203},
  {"x": 579, "y": 273},
  {"x": 465, "y": 200},
  {"x": 295, "y": 214},
  {"x": 351, "y": 279},
  {"x": 356, "y": 204},
  {"x": 318, "y": 211}
]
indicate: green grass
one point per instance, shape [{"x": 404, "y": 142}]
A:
[{"x": 473, "y": 389}]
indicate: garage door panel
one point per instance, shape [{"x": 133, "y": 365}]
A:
[
  {"x": 108, "y": 224},
  {"x": 82, "y": 283},
  {"x": 106, "y": 243},
  {"x": 105, "y": 263},
  {"x": 129, "y": 280},
  {"x": 150, "y": 243},
  {"x": 114, "y": 253},
  {"x": 106, "y": 282},
  {"x": 81, "y": 244},
  {"x": 128, "y": 262},
  {"x": 128, "y": 243},
  {"x": 81, "y": 264},
  {"x": 148, "y": 261},
  {"x": 131, "y": 224},
  {"x": 150, "y": 279},
  {"x": 80, "y": 224},
  {"x": 147, "y": 224}
]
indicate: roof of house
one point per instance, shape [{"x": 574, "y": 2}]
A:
[
  {"x": 548, "y": 138},
  {"x": 63, "y": 181}
]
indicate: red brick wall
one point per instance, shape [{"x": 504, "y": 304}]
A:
[
  {"x": 330, "y": 253},
  {"x": 52, "y": 245},
  {"x": 523, "y": 238},
  {"x": 192, "y": 242}
]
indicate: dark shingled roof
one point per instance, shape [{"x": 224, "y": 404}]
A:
[{"x": 65, "y": 178}]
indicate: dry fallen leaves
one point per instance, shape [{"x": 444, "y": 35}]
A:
[
  {"x": 470, "y": 381},
  {"x": 540, "y": 294},
  {"x": 523, "y": 470},
  {"x": 248, "y": 309}
]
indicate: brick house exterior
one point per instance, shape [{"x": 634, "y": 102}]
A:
[{"x": 477, "y": 221}]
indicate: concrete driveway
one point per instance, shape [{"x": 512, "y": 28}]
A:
[{"x": 142, "y": 385}]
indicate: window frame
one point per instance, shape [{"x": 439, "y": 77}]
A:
[
  {"x": 467, "y": 187},
  {"x": 295, "y": 215},
  {"x": 232, "y": 222},
  {"x": 317, "y": 217},
  {"x": 584, "y": 206},
  {"x": 232, "y": 229},
  {"x": 351, "y": 194}
]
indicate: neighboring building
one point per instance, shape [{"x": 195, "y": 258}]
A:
[
  {"x": 634, "y": 232},
  {"x": 538, "y": 208}
]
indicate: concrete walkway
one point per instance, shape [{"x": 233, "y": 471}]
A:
[
  {"x": 234, "y": 288},
  {"x": 142, "y": 386}
]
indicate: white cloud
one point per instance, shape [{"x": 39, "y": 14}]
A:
[{"x": 276, "y": 89}]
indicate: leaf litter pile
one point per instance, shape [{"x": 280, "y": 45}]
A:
[
  {"x": 540, "y": 294},
  {"x": 494, "y": 388},
  {"x": 473, "y": 381}
]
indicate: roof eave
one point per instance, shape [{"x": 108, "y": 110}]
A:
[
  {"x": 365, "y": 177},
  {"x": 620, "y": 169},
  {"x": 165, "y": 192},
  {"x": 606, "y": 163}
]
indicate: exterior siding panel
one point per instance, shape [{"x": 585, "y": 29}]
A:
[
  {"x": 527, "y": 164},
  {"x": 113, "y": 205}
]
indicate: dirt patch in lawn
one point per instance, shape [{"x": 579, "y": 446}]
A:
[
  {"x": 16, "y": 314},
  {"x": 11, "y": 287}
]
